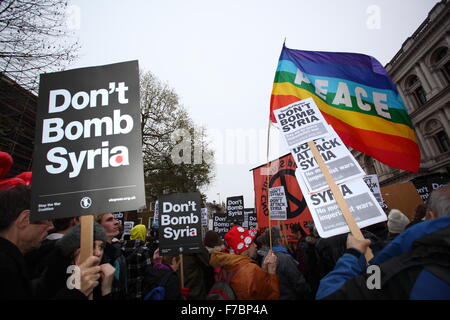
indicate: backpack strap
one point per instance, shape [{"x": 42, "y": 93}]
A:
[
  {"x": 441, "y": 272},
  {"x": 433, "y": 258}
]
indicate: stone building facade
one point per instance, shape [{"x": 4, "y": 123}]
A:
[{"x": 421, "y": 72}]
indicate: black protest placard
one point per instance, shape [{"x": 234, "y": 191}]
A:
[
  {"x": 221, "y": 224},
  {"x": 180, "y": 228},
  {"x": 235, "y": 210},
  {"x": 250, "y": 218},
  {"x": 119, "y": 217},
  {"x": 426, "y": 184},
  {"x": 88, "y": 146}
]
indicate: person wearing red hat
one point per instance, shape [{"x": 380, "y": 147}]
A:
[{"x": 249, "y": 281}]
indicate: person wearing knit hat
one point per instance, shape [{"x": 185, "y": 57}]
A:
[
  {"x": 240, "y": 239},
  {"x": 17, "y": 237},
  {"x": 397, "y": 222},
  {"x": 248, "y": 280},
  {"x": 138, "y": 258},
  {"x": 213, "y": 242},
  {"x": 67, "y": 252},
  {"x": 69, "y": 244},
  {"x": 138, "y": 232}
]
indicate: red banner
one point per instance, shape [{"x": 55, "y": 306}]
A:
[{"x": 281, "y": 173}]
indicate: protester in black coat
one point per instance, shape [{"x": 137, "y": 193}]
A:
[
  {"x": 37, "y": 259},
  {"x": 164, "y": 274},
  {"x": 329, "y": 250},
  {"x": 14, "y": 282},
  {"x": 198, "y": 274},
  {"x": 18, "y": 236},
  {"x": 65, "y": 254}
]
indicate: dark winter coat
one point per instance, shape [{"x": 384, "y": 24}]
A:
[
  {"x": 15, "y": 283},
  {"x": 154, "y": 276},
  {"x": 54, "y": 278},
  {"x": 37, "y": 259},
  {"x": 292, "y": 282},
  {"x": 114, "y": 256},
  {"x": 198, "y": 274},
  {"x": 415, "y": 265}
]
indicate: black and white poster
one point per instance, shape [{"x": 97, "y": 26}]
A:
[
  {"x": 426, "y": 184},
  {"x": 119, "y": 217},
  {"x": 339, "y": 160},
  {"x": 127, "y": 226},
  {"x": 327, "y": 215},
  {"x": 301, "y": 122},
  {"x": 372, "y": 182},
  {"x": 277, "y": 203},
  {"x": 88, "y": 147},
  {"x": 220, "y": 224},
  {"x": 235, "y": 210},
  {"x": 204, "y": 217},
  {"x": 250, "y": 221},
  {"x": 180, "y": 225}
]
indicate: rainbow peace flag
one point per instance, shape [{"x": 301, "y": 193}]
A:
[{"x": 356, "y": 96}]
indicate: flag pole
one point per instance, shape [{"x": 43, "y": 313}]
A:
[{"x": 268, "y": 184}]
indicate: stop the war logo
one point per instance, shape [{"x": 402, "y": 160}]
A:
[
  {"x": 180, "y": 223},
  {"x": 88, "y": 142}
]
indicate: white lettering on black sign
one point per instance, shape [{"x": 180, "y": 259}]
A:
[
  {"x": 88, "y": 153},
  {"x": 180, "y": 223},
  {"x": 55, "y": 130}
]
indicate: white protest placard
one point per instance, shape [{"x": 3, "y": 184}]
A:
[
  {"x": 210, "y": 224},
  {"x": 277, "y": 203},
  {"x": 155, "y": 212},
  {"x": 204, "y": 212},
  {"x": 127, "y": 226},
  {"x": 339, "y": 160},
  {"x": 301, "y": 122},
  {"x": 372, "y": 182},
  {"x": 326, "y": 214}
]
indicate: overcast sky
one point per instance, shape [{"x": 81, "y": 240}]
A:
[{"x": 221, "y": 57}]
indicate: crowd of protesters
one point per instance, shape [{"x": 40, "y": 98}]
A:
[{"x": 41, "y": 260}]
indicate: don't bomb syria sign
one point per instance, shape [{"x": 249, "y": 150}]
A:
[{"x": 87, "y": 158}]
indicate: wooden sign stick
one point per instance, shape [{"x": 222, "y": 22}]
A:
[
  {"x": 337, "y": 194},
  {"x": 87, "y": 239},
  {"x": 181, "y": 271},
  {"x": 284, "y": 233},
  {"x": 268, "y": 185}
]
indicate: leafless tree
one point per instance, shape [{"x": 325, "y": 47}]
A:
[
  {"x": 161, "y": 117},
  {"x": 34, "y": 39}
]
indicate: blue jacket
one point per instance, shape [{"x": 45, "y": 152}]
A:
[{"x": 348, "y": 279}]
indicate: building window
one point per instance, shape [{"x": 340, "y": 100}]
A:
[
  {"x": 443, "y": 141},
  {"x": 414, "y": 88},
  {"x": 446, "y": 71},
  {"x": 420, "y": 96},
  {"x": 412, "y": 81},
  {"x": 441, "y": 63}
]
